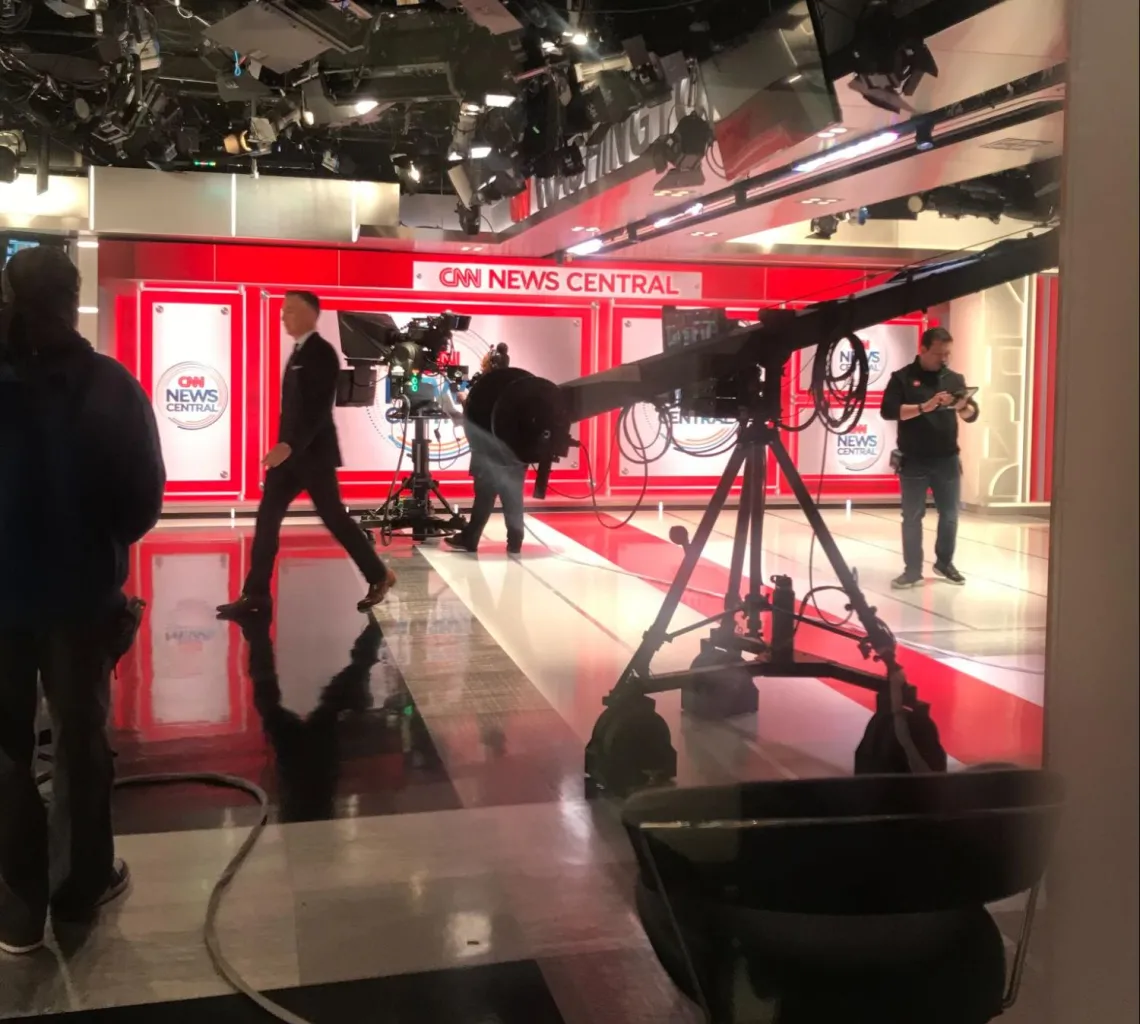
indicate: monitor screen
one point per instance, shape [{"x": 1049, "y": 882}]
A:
[{"x": 12, "y": 244}]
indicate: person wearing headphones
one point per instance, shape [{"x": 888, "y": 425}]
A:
[{"x": 497, "y": 474}]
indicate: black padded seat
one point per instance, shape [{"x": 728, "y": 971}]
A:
[{"x": 845, "y": 899}]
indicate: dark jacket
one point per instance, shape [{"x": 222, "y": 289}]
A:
[
  {"x": 932, "y": 435},
  {"x": 81, "y": 480},
  {"x": 308, "y": 393},
  {"x": 489, "y": 455}
]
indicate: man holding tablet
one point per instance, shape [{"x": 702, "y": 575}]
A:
[{"x": 928, "y": 399}]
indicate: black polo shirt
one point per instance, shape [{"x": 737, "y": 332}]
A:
[{"x": 932, "y": 435}]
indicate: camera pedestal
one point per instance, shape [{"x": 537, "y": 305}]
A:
[{"x": 410, "y": 507}]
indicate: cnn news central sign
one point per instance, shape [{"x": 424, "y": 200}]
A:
[
  {"x": 192, "y": 353},
  {"x": 562, "y": 282}
]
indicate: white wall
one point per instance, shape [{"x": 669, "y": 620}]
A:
[{"x": 993, "y": 348}]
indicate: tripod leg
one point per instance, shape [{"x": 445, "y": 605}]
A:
[
  {"x": 447, "y": 506},
  {"x": 881, "y": 641},
  {"x": 656, "y": 634},
  {"x": 758, "y": 500},
  {"x": 732, "y": 595}
]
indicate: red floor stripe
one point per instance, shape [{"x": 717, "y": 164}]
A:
[{"x": 978, "y": 722}]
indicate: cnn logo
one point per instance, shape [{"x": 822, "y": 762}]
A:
[
  {"x": 191, "y": 382},
  {"x": 460, "y": 277}
]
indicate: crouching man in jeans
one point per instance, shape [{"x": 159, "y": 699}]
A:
[{"x": 927, "y": 399}]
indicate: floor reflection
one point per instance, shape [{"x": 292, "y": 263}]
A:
[{"x": 310, "y": 704}]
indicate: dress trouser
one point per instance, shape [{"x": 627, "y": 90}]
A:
[
  {"x": 74, "y": 663},
  {"x": 505, "y": 483},
  {"x": 283, "y": 485},
  {"x": 943, "y": 478}
]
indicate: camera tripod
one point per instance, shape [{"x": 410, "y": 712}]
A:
[
  {"x": 631, "y": 747},
  {"x": 410, "y": 506}
]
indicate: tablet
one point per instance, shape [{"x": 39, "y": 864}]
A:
[{"x": 966, "y": 393}]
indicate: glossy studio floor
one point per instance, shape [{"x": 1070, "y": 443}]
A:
[{"x": 431, "y": 857}]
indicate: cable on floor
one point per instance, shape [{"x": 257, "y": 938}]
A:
[{"x": 224, "y": 968}]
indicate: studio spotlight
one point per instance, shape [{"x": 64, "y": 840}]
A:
[
  {"x": 11, "y": 146},
  {"x": 923, "y": 137},
  {"x": 498, "y": 100},
  {"x": 888, "y": 66},
  {"x": 685, "y": 149},
  {"x": 470, "y": 218},
  {"x": 824, "y": 227}
]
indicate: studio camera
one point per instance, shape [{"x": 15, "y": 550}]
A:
[{"x": 422, "y": 349}]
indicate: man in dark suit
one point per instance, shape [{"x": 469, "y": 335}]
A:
[{"x": 305, "y": 458}]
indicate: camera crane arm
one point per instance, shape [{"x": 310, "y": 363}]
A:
[
  {"x": 532, "y": 417},
  {"x": 782, "y": 332}
]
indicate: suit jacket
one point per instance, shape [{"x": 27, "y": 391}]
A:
[{"x": 308, "y": 394}]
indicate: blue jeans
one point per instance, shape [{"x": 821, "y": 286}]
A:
[{"x": 943, "y": 478}]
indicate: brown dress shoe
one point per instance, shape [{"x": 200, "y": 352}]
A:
[{"x": 377, "y": 592}]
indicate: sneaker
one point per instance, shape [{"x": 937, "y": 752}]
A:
[
  {"x": 245, "y": 607},
  {"x": 949, "y": 574},
  {"x": 457, "y": 542},
  {"x": 906, "y": 581},
  {"x": 377, "y": 592},
  {"x": 119, "y": 884}
]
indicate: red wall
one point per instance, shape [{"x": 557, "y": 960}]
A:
[{"x": 135, "y": 275}]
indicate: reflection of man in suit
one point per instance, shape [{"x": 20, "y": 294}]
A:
[
  {"x": 308, "y": 749},
  {"x": 305, "y": 458}
]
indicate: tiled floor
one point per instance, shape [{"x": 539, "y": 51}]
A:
[{"x": 431, "y": 856}]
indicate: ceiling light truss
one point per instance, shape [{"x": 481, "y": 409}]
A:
[{"x": 961, "y": 122}]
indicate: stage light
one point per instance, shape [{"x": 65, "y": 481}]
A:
[
  {"x": 362, "y": 107},
  {"x": 414, "y": 172},
  {"x": 849, "y": 151},
  {"x": 586, "y": 248},
  {"x": 470, "y": 217},
  {"x": 480, "y": 152},
  {"x": 499, "y": 100},
  {"x": 824, "y": 227},
  {"x": 923, "y": 137},
  {"x": 470, "y": 108},
  {"x": 685, "y": 148},
  {"x": 308, "y": 118}
]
